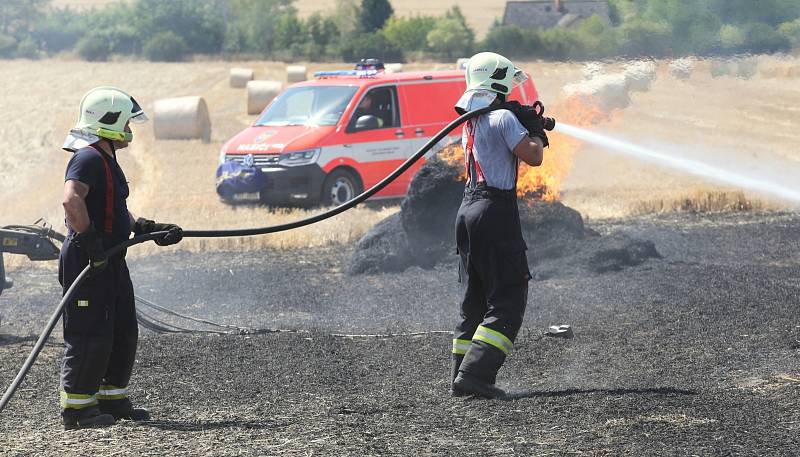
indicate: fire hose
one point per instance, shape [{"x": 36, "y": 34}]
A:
[{"x": 68, "y": 295}]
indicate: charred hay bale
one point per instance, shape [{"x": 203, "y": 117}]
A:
[
  {"x": 422, "y": 233},
  {"x": 593, "y": 255},
  {"x": 546, "y": 222},
  {"x": 429, "y": 210},
  {"x": 619, "y": 252},
  {"x": 383, "y": 249}
]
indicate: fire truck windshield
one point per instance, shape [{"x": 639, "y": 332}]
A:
[{"x": 308, "y": 105}]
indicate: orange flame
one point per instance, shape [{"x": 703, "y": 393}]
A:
[{"x": 544, "y": 182}]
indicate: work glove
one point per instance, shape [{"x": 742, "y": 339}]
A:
[
  {"x": 91, "y": 242},
  {"x": 174, "y": 233},
  {"x": 532, "y": 119}
]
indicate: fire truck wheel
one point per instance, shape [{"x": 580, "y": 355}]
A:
[{"x": 340, "y": 186}]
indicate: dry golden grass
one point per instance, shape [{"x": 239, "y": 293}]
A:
[{"x": 701, "y": 202}]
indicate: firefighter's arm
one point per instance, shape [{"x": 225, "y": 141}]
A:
[
  {"x": 530, "y": 150},
  {"x": 74, "y": 203}
]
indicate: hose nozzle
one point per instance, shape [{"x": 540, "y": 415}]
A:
[{"x": 548, "y": 123}]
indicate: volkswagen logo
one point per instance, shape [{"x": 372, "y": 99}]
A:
[{"x": 249, "y": 161}]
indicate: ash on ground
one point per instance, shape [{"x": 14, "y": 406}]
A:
[{"x": 422, "y": 234}]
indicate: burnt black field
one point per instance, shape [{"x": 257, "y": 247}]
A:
[{"x": 693, "y": 353}]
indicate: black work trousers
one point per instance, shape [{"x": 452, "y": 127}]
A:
[
  {"x": 494, "y": 277},
  {"x": 100, "y": 328}
]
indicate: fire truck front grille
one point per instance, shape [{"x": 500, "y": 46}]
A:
[{"x": 260, "y": 160}]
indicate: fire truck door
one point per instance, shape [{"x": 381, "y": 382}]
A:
[{"x": 376, "y": 139}]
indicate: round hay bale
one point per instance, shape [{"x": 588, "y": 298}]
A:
[
  {"x": 545, "y": 222},
  {"x": 746, "y": 68},
  {"x": 607, "y": 92},
  {"x": 182, "y": 118},
  {"x": 240, "y": 76},
  {"x": 295, "y": 74},
  {"x": 260, "y": 93},
  {"x": 592, "y": 70},
  {"x": 461, "y": 64},
  {"x": 640, "y": 75},
  {"x": 383, "y": 249},
  {"x": 393, "y": 67},
  {"x": 720, "y": 68},
  {"x": 429, "y": 209},
  {"x": 682, "y": 68}
]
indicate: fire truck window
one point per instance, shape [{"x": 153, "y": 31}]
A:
[
  {"x": 380, "y": 102},
  {"x": 299, "y": 105},
  {"x": 308, "y": 105}
]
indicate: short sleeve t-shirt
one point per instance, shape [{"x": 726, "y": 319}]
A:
[
  {"x": 87, "y": 166},
  {"x": 497, "y": 133}
]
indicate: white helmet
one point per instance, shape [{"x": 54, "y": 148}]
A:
[
  {"x": 488, "y": 74},
  {"x": 104, "y": 112}
]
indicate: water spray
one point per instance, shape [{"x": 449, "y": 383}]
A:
[{"x": 687, "y": 165}]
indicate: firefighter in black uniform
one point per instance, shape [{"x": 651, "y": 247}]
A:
[
  {"x": 493, "y": 269},
  {"x": 100, "y": 328}
]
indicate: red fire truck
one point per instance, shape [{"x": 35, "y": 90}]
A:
[{"x": 328, "y": 139}]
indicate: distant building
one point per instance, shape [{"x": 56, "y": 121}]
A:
[{"x": 545, "y": 14}]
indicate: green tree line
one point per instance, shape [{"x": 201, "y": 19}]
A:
[{"x": 174, "y": 30}]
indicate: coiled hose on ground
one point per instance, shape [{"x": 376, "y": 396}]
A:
[{"x": 231, "y": 233}]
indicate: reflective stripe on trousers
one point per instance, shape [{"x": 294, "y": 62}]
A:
[
  {"x": 494, "y": 338},
  {"x": 111, "y": 392},
  {"x": 77, "y": 401},
  {"x": 460, "y": 347}
]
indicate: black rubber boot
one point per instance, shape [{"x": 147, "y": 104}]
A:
[
  {"x": 471, "y": 385},
  {"x": 479, "y": 370},
  {"x": 91, "y": 417},
  {"x": 456, "y": 365},
  {"x": 123, "y": 409}
]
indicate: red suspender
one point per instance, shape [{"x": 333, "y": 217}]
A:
[
  {"x": 469, "y": 156},
  {"x": 470, "y": 160},
  {"x": 109, "y": 222}
]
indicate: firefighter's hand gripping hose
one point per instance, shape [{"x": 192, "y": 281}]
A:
[{"x": 232, "y": 233}]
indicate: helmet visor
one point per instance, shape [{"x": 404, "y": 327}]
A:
[
  {"x": 137, "y": 113},
  {"x": 140, "y": 118},
  {"x": 519, "y": 77}
]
